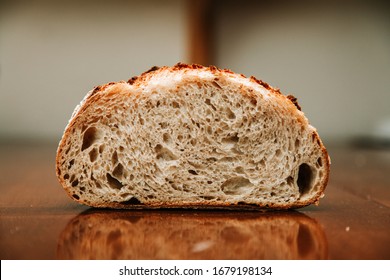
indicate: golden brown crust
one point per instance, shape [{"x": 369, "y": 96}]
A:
[
  {"x": 294, "y": 100},
  {"x": 109, "y": 89}
]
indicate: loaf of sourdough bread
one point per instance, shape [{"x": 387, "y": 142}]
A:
[{"x": 190, "y": 136}]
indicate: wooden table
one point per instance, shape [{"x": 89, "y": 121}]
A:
[{"x": 39, "y": 221}]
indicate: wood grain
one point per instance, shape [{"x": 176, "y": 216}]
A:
[{"x": 39, "y": 221}]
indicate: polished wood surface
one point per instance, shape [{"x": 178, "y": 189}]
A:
[{"x": 39, "y": 221}]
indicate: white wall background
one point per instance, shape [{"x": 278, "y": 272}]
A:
[
  {"x": 333, "y": 55},
  {"x": 53, "y": 52}
]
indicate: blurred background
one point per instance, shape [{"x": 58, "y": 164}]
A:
[{"x": 334, "y": 56}]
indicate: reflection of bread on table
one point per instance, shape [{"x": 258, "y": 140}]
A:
[{"x": 192, "y": 235}]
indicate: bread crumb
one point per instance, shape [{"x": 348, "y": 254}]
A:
[{"x": 347, "y": 229}]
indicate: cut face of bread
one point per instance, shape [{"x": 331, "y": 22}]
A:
[{"x": 193, "y": 137}]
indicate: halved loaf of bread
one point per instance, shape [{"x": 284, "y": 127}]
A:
[{"x": 190, "y": 136}]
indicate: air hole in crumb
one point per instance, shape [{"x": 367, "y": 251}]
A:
[
  {"x": 239, "y": 169},
  {"x": 90, "y": 136},
  {"x": 71, "y": 164},
  {"x": 305, "y": 178},
  {"x": 290, "y": 180},
  {"x": 297, "y": 143},
  {"x": 174, "y": 186},
  {"x": 113, "y": 183},
  {"x": 75, "y": 183},
  {"x": 167, "y": 138},
  {"x": 231, "y": 140},
  {"x": 228, "y": 159},
  {"x": 215, "y": 84},
  {"x": 319, "y": 161},
  {"x": 236, "y": 186},
  {"x": 230, "y": 114},
  {"x": 175, "y": 104},
  {"x": 114, "y": 158},
  {"x": 208, "y": 102},
  {"x": 98, "y": 185},
  {"x": 66, "y": 176},
  {"x": 185, "y": 188},
  {"x": 207, "y": 197},
  {"x": 262, "y": 163},
  {"x": 163, "y": 124},
  {"x": 132, "y": 201},
  {"x": 211, "y": 159},
  {"x": 196, "y": 165},
  {"x": 193, "y": 172},
  {"x": 237, "y": 151},
  {"x": 101, "y": 148},
  {"x": 118, "y": 171},
  {"x": 164, "y": 153},
  {"x": 313, "y": 137},
  {"x": 209, "y": 182},
  {"x": 93, "y": 155},
  {"x": 75, "y": 196}
]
